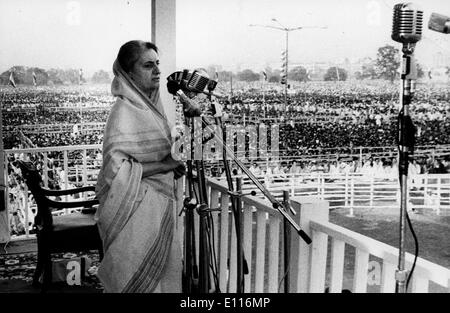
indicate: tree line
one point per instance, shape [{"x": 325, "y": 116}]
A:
[
  {"x": 24, "y": 76},
  {"x": 386, "y": 65}
]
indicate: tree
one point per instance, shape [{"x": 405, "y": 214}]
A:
[
  {"x": 299, "y": 74},
  {"x": 335, "y": 73},
  {"x": 274, "y": 79},
  {"x": 101, "y": 77},
  {"x": 248, "y": 76},
  {"x": 388, "y": 62},
  {"x": 54, "y": 76},
  {"x": 368, "y": 70},
  {"x": 19, "y": 73},
  {"x": 273, "y": 76},
  {"x": 24, "y": 75},
  {"x": 225, "y": 76}
]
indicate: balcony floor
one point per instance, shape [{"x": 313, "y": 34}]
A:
[{"x": 16, "y": 278}]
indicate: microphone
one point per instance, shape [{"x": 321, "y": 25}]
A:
[
  {"x": 199, "y": 81},
  {"x": 439, "y": 23},
  {"x": 407, "y": 23}
]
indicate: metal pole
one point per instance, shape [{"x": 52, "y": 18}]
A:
[
  {"x": 204, "y": 278},
  {"x": 405, "y": 145},
  {"x": 286, "y": 71},
  {"x": 240, "y": 253},
  {"x": 287, "y": 243},
  {"x": 401, "y": 274}
]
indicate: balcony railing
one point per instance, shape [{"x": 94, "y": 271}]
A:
[
  {"x": 308, "y": 264},
  {"x": 311, "y": 268}
]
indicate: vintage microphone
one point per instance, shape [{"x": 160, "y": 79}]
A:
[
  {"x": 439, "y": 23},
  {"x": 406, "y": 29}
]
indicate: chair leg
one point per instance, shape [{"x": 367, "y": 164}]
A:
[
  {"x": 40, "y": 262},
  {"x": 100, "y": 251},
  {"x": 100, "y": 254},
  {"x": 47, "y": 278}
]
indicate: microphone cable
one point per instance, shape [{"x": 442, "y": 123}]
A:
[{"x": 409, "y": 144}]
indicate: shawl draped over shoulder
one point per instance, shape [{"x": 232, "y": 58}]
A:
[{"x": 136, "y": 216}]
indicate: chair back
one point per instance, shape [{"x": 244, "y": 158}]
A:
[{"x": 34, "y": 183}]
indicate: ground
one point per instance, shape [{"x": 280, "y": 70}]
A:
[{"x": 432, "y": 231}]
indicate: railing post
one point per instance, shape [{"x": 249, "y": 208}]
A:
[
  {"x": 352, "y": 195},
  {"x": 307, "y": 208},
  {"x": 5, "y": 232},
  {"x": 438, "y": 204},
  {"x": 66, "y": 174},
  {"x": 84, "y": 167},
  {"x": 372, "y": 181},
  {"x": 26, "y": 206},
  {"x": 46, "y": 169},
  {"x": 346, "y": 190},
  {"x": 224, "y": 232},
  {"x": 323, "y": 187}
]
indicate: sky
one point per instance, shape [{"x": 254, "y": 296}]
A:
[{"x": 88, "y": 34}]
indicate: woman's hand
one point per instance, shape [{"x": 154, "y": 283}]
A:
[
  {"x": 179, "y": 171},
  {"x": 178, "y": 167},
  {"x": 166, "y": 165}
]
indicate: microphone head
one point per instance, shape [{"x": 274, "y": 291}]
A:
[
  {"x": 185, "y": 77},
  {"x": 407, "y": 23},
  {"x": 198, "y": 81},
  {"x": 439, "y": 23}
]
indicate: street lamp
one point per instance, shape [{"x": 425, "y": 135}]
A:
[{"x": 286, "y": 30}]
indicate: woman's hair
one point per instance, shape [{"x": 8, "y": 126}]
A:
[{"x": 129, "y": 53}]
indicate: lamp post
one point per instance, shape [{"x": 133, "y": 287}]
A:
[{"x": 286, "y": 30}]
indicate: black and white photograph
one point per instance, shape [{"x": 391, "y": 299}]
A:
[{"x": 226, "y": 152}]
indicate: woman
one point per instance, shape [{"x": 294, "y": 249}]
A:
[{"x": 136, "y": 186}]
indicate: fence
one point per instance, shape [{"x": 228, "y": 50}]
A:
[
  {"x": 426, "y": 192},
  {"x": 263, "y": 250},
  {"x": 262, "y": 240},
  {"x": 56, "y": 128},
  {"x": 75, "y": 167}
]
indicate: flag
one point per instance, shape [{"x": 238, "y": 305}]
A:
[
  {"x": 265, "y": 75},
  {"x": 11, "y": 80},
  {"x": 81, "y": 76},
  {"x": 34, "y": 79}
]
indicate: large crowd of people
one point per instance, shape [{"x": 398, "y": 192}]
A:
[{"x": 318, "y": 116}]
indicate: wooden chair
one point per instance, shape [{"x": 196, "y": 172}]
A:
[{"x": 72, "y": 232}]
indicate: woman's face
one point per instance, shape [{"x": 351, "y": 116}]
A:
[{"x": 146, "y": 73}]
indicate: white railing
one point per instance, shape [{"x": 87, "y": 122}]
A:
[
  {"x": 426, "y": 192},
  {"x": 350, "y": 191},
  {"x": 263, "y": 250},
  {"x": 262, "y": 240},
  {"x": 74, "y": 171}
]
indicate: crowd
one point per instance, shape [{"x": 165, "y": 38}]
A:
[
  {"x": 323, "y": 115},
  {"x": 318, "y": 116}
]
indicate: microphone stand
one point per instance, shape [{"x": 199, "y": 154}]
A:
[
  {"x": 282, "y": 208},
  {"x": 190, "y": 268},
  {"x": 236, "y": 202},
  {"x": 204, "y": 211},
  {"x": 405, "y": 146}
]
